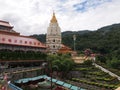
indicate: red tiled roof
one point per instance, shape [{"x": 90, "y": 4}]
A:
[
  {"x": 4, "y": 23},
  {"x": 65, "y": 49},
  {"x": 20, "y": 40}
]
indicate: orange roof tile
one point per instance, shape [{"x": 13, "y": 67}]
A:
[{"x": 64, "y": 49}]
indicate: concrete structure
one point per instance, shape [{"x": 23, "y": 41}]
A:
[
  {"x": 53, "y": 37},
  {"x": 12, "y": 40}
]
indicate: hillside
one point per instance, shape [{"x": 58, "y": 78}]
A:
[
  {"x": 99, "y": 40},
  {"x": 40, "y": 37},
  {"x": 103, "y": 40}
]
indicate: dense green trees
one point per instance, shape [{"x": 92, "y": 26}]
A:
[
  {"x": 105, "y": 41},
  {"x": 21, "y": 55},
  {"x": 114, "y": 63},
  {"x": 61, "y": 63}
]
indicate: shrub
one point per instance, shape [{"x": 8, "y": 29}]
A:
[
  {"x": 114, "y": 63},
  {"x": 88, "y": 62},
  {"x": 101, "y": 58},
  {"x": 94, "y": 83}
]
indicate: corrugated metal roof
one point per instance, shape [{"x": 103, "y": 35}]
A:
[
  {"x": 74, "y": 88},
  {"x": 60, "y": 82},
  {"x": 67, "y": 85},
  {"x": 54, "y": 80},
  {"x": 71, "y": 87},
  {"x": 13, "y": 87}
]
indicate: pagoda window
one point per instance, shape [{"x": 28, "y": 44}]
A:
[
  {"x": 9, "y": 40},
  {"x": 54, "y": 40},
  {"x": 53, "y": 46}
]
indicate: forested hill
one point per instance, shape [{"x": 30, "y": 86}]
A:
[
  {"x": 104, "y": 40},
  {"x": 40, "y": 37}
]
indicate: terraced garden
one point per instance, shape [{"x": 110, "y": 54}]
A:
[{"x": 93, "y": 77}]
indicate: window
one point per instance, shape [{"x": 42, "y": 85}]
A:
[
  {"x": 15, "y": 41},
  {"x": 34, "y": 43},
  {"x": 3, "y": 39},
  {"x": 38, "y": 43},
  {"x": 54, "y": 40},
  {"x": 20, "y": 41},
  {"x": 25, "y": 42},
  {"x": 53, "y": 46},
  {"x": 30, "y": 42},
  {"x": 9, "y": 40}
]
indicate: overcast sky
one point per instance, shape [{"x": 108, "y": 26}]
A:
[{"x": 33, "y": 16}]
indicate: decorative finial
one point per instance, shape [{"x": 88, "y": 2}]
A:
[
  {"x": 53, "y": 12},
  {"x": 53, "y": 20}
]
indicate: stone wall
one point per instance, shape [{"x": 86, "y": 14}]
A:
[{"x": 29, "y": 74}]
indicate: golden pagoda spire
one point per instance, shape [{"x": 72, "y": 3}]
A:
[{"x": 53, "y": 20}]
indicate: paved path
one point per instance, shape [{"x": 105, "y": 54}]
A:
[{"x": 107, "y": 71}]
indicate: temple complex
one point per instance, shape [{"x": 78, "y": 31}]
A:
[{"x": 12, "y": 40}]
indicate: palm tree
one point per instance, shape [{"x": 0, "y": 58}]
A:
[{"x": 61, "y": 64}]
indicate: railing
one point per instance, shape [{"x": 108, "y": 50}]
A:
[{"x": 107, "y": 71}]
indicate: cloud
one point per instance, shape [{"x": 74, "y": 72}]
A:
[
  {"x": 33, "y": 16},
  {"x": 86, "y": 4}
]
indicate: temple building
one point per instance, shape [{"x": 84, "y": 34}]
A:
[
  {"x": 53, "y": 37},
  {"x": 12, "y": 40}
]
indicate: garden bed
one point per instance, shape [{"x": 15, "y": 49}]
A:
[{"x": 90, "y": 75}]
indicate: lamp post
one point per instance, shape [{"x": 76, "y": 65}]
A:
[
  {"x": 74, "y": 39},
  {"x": 0, "y": 69},
  {"x": 51, "y": 73},
  {"x": 43, "y": 66},
  {"x": 50, "y": 63}
]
